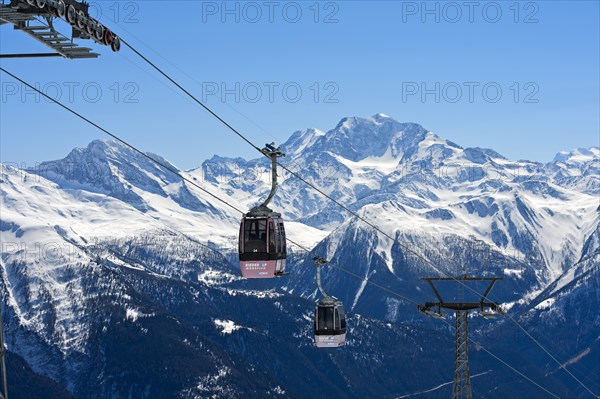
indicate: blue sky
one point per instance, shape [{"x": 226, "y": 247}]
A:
[{"x": 440, "y": 64}]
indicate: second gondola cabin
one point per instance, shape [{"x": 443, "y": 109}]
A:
[{"x": 329, "y": 323}]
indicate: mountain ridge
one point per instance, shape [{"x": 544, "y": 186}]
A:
[{"x": 105, "y": 238}]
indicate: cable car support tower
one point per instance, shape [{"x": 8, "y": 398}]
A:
[
  {"x": 36, "y": 19},
  {"x": 461, "y": 388}
]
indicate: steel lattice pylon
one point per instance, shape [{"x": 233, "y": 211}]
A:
[
  {"x": 462, "y": 379},
  {"x": 461, "y": 388}
]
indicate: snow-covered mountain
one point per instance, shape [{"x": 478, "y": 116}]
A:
[
  {"x": 411, "y": 180},
  {"x": 110, "y": 262}
]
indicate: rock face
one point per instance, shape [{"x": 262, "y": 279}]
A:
[{"x": 119, "y": 279}]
